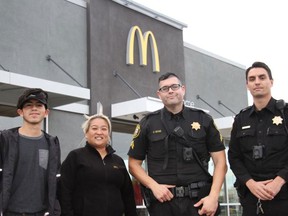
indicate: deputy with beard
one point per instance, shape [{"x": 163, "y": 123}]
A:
[{"x": 168, "y": 138}]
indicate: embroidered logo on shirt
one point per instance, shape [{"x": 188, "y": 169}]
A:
[
  {"x": 277, "y": 120},
  {"x": 196, "y": 126},
  {"x": 157, "y": 131}
]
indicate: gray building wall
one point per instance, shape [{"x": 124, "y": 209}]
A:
[
  {"x": 33, "y": 29},
  {"x": 214, "y": 79},
  {"x": 67, "y": 126},
  {"x": 109, "y": 27}
]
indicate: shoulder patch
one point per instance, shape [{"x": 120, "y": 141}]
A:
[
  {"x": 137, "y": 131},
  {"x": 132, "y": 144}
]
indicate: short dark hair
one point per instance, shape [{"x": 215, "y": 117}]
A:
[
  {"x": 33, "y": 93},
  {"x": 260, "y": 65},
  {"x": 168, "y": 75}
]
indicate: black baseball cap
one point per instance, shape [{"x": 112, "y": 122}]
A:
[{"x": 33, "y": 93}]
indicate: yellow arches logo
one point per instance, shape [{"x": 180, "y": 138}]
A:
[{"x": 143, "y": 45}]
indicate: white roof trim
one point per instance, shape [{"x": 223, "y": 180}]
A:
[
  {"x": 139, "y": 107},
  {"x": 224, "y": 125},
  {"x": 50, "y": 86},
  {"x": 81, "y": 3},
  {"x": 151, "y": 13},
  {"x": 74, "y": 107},
  {"x": 61, "y": 96}
]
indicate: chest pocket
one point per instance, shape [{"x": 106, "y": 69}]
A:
[
  {"x": 198, "y": 141},
  {"x": 157, "y": 146},
  {"x": 277, "y": 138},
  {"x": 247, "y": 139},
  {"x": 276, "y": 132}
]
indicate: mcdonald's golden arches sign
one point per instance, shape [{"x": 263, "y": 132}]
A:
[{"x": 143, "y": 46}]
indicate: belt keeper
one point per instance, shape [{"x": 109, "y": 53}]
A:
[
  {"x": 201, "y": 184},
  {"x": 197, "y": 185},
  {"x": 193, "y": 193}
]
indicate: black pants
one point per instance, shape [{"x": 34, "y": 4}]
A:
[
  {"x": 275, "y": 207},
  {"x": 176, "y": 207}
]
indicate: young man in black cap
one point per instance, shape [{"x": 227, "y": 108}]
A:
[{"x": 29, "y": 161}]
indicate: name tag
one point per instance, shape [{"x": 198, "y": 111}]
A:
[{"x": 246, "y": 127}]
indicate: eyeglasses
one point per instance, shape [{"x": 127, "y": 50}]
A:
[{"x": 174, "y": 87}]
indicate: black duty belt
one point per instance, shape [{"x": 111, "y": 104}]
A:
[
  {"x": 191, "y": 190},
  {"x": 9, "y": 213}
]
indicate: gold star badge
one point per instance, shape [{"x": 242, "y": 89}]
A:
[
  {"x": 195, "y": 126},
  {"x": 277, "y": 120}
]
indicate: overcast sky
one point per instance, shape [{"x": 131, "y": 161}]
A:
[{"x": 241, "y": 31}]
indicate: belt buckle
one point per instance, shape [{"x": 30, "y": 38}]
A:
[{"x": 180, "y": 192}]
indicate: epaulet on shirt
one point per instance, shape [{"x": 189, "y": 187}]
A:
[
  {"x": 148, "y": 115},
  {"x": 152, "y": 113},
  {"x": 193, "y": 109},
  {"x": 196, "y": 109},
  {"x": 158, "y": 111},
  {"x": 245, "y": 109}
]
